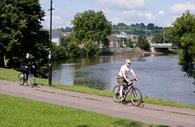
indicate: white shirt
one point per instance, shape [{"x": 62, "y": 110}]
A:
[{"x": 124, "y": 71}]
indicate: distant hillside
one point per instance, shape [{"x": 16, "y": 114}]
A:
[{"x": 137, "y": 29}]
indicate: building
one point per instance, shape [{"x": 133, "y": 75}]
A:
[
  {"x": 56, "y": 36},
  {"x": 118, "y": 40}
]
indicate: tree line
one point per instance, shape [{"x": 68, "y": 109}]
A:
[{"x": 137, "y": 29}]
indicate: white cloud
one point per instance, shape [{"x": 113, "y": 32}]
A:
[
  {"x": 161, "y": 13},
  {"x": 129, "y": 16},
  {"x": 182, "y": 7},
  {"x": 57, "y": 21},
  {"x": 149, "y": 16},
  {"x": 127, "y": 11},
  {"x": 123, "y": 4}
]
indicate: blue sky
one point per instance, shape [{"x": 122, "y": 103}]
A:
[{"x": 159, "y": 12}]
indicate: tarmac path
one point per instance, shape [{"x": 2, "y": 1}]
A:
[{"x": 149, "y": 113}]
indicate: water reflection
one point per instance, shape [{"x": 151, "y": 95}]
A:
[{"x": 160, "y": 75}]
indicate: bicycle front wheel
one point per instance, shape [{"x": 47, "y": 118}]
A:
[
  {"x": 31, "y": 80},
  {"x": 116, "y": 93},
  {"x": 136, "y": 96},
  {"x": 21, "y": 79}
]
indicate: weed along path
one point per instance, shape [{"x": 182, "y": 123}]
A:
[{"x": 152, "y": 114}]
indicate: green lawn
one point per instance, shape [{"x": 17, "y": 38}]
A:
[
  {"x": 9, "y": 74},
  {"x": 20, "y": 112}
]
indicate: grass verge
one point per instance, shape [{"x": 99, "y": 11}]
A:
[
  {"x": 9, "y": 74},
  {"x": 20, "y": 112}
]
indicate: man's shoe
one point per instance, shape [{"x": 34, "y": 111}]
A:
[{"x": 122, "y": 100}]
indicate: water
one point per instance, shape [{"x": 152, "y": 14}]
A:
[{"x": 160, "y": 76}]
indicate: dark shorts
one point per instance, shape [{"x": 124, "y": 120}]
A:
[{"x": 120, "y": 80}]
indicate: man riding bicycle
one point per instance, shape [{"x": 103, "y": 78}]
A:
[
  {"x": 123, "y": 76},
  {"x": 26, "y": 65}
]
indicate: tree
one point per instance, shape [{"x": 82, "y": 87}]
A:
[
  {"x": 122, "y": 25},
  {"x": 183, "y": 35},
  {"x": 130, "y": 43},
  {"x": 91, "y": 25},
  {"x": 150, "y": 26},
  {"x": 143, "y": 43},
  {"x": 162, "y": 37},
  {"x": 142, "y": 26},
  {"x": 20, "y": 31}
]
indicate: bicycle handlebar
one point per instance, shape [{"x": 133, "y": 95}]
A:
[{"x": 134, "y": 79}]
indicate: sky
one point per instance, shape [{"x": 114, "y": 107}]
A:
[{"x": 160, "y": 12}]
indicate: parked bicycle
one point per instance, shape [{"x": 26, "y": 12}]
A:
[
  {"x": 134, "y": 93},
  {"x": 28, "y": 77}
]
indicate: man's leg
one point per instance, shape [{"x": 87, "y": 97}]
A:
[
  {"x": 120, "y": 81},
  {"x": 121, "y": 91}
]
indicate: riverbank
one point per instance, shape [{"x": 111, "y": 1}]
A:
[{"x": 11, "y": 75}]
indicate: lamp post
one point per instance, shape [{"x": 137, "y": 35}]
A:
[
  {"x": 164, "y": 35},
  {"x": 50, "y": 41}
]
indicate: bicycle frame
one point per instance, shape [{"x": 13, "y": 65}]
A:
[
  {"x": 129, "y": 88},
  {"x": 27, "y": 76}
]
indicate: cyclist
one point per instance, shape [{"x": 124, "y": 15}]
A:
[
  {"x": 26, "y": 65},
  {"x": 123, "y": 76}
]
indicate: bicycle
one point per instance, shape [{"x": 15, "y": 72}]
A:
[
  {"x": 29, "y": 78},
  {"x": 128, "y": 89}
]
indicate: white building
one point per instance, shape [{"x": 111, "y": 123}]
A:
[
  {"x": 56, "y": 36},
  {"x": 118, "y": 40}
]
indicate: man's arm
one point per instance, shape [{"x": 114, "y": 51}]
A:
[
  {"x": 125, "y": 77},
  {"x": 133, "y": 73}
]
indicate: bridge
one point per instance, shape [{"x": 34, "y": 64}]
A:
[{"x": 160, "y": 47}]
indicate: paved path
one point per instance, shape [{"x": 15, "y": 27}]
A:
[{"x": 151, "y": 114}]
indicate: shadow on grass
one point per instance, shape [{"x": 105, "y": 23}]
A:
[
  {"x": 127, "y": 123},
  {"x": 82, "y": 126}
]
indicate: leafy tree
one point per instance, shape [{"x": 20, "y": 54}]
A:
[
  {"x": 130, "y": 43},
  {"x": 183, "y": 35},
  {"x": 163, "y": 37},
  {"x": 158, "y": 38},
  {"x": 150, "y": 26},
  {"x": 142, "y": 25},
  {"x": 143, "y": 43},
  {"x": 91, "y": 25},
  {"x": 20, "y": 31},
  {"x": 91, "y": 47},
  {"x": 73, "y": 49},
  {"x": 122, "y": 25},
  {"x": 59, "y": 52}
]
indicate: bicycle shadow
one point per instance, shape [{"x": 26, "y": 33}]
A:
[
  {"x": 82, "y": 126},
  {"x": 128, "y": 102},
  {"x": 128, "y": 123}
]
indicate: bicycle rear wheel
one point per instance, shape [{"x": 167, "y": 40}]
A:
[
  {"x": 136, "y": 96},
  {"x": 21, "y": 79},
  {"x": 31, "y": 80},
  {"x": 116, "y": 93}
]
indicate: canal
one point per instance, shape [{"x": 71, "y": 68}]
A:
[{"x": 160, "y": 76}]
